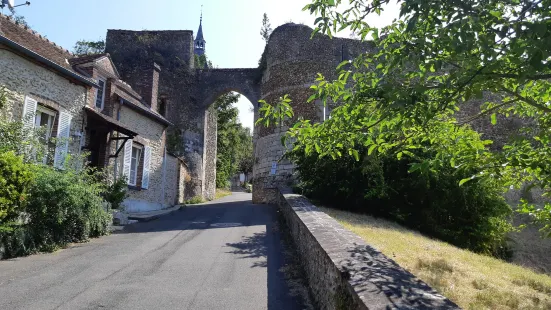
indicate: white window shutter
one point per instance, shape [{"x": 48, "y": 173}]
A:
[
  {"x": 127, "y": 160},
  {"x": 29, "y": 111},
  {"x": 63, "y": 132},
  {"x": 146, "y": 166}
]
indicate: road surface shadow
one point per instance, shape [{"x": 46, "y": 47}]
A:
[{"x": 286, "y": 286}]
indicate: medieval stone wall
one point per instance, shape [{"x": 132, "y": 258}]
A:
[
  {"x": 172, "y": 178},
  {"x": 134, "y": 52},
  {"x": 293, "y": 60},
  {"x": 210, "y": 153}
]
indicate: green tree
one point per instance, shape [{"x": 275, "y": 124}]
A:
[
  {"x": 266, "y": 29},
  {"x": 428, "y": 62},
  {"x": 84, "y": 47}
]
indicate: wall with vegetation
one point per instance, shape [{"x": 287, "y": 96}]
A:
[{"x": 344, "y": 272}]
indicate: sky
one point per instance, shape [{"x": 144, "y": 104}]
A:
[{"x": 230, "y": 27}]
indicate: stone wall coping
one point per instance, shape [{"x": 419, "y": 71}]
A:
[{"x": 374, "y": 280}]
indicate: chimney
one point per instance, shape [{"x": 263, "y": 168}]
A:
[{"x": 151, "y": 86}]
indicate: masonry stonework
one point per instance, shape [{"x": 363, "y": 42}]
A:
[
  {"x": 291, "y": 61},
  {"x": 149, "y": 134},
  {"x": 21, "y": 78}
]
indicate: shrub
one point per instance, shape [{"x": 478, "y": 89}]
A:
[
  {"x": 66, "y": 206},
  {"x": 15, "y": 181},
  {"x": 195, "y": 200},
  {"x": 116, "y": 193},
  {"x": 62, "y": 207},
  {"x": 473, "y": 216}
]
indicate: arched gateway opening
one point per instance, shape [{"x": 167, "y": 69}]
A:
[{"x": 229, "y": 145}]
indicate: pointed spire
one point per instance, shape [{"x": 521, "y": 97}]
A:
[
  {"x": 200, "y": 31},
  {"x": 199, "y": 40}
]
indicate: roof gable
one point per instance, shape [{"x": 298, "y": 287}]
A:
[
  {"x": 33, "y": 45},
  {"x": 33, "y": 41},
  {"x": 103, "y": 62}
]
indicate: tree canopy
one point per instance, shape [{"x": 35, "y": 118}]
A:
[
  {"x": 436, "y": 57},
  {"x": 266, "y": 29},
  {"x": 84, "y": 47}
]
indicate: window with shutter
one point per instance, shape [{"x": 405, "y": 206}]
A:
[
  {"x": 100, "y": 93},
  {"x": 29, "y": 111},
  {"x": 146, "y": 166},
  {"x": 62, "y": 144},
  {"x": 127, "y": 160},
  {"x": 134, "y": 164},
  {"x": 45, "y": 119}
]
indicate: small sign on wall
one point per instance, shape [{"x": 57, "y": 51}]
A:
[{"x": 274, "y": 168}]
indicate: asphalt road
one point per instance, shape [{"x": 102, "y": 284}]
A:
[{"x": 226, "y": 254}]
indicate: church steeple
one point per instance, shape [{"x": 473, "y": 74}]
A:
[{"x": 199, "y": 40}]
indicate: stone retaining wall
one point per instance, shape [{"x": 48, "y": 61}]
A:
[{"x": 346, "y": 273}]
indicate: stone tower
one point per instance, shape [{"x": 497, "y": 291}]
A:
[{"x": 199, "y": 40}]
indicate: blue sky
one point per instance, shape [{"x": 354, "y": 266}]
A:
[{"x": 231, "y": 27}]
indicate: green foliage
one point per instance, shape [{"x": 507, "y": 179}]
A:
[
  {"x": 248, "y": 187},
  {"x": 266, "y": 29},
  {"x": 84, "y": 47},
  {"x": 63, "y": 206},
  {"x": 173, "y": 141},
  {"x": 473, "y": 216},
  {"x": 3, "y": 98},
  {"x": 424, "y": 66},
  {"x": 116, "y": 192},
  {"x": 15, "y": 181},
  {"x": 43, "y": 208},
  {"x": 66, "y": 206},
  {"x": 195, "y": 200},
  {"x": 202, "y": 62},
  {"x": 14, "y": 136}
]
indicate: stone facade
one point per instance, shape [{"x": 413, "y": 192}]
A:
[
  {"x": 106, "y": 114},
  {"x": 131, "y": 51},
  {"x": 175, "y": 177},
  {"x": 150, "y": 134},
  {"x": 188, "y": 94},
  {"x": 209, "y": 156},
  {"x": 22, "y": 77}
]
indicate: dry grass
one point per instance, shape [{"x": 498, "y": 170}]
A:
[
  {"x": 221, "y": 193},
  {"x": 471, "y": 280}
]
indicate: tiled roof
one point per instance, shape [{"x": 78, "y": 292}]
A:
[
  {"x": 33, "y": 45},
  {"x": 77, "y": 60},
  {"x": 33, "y": 41}
]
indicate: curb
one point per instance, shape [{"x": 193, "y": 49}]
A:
[{"x": 143, "y": 219}]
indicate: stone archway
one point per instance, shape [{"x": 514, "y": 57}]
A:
[{"x": 212, "y": 83}]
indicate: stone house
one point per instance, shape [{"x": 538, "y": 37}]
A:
[
  {"x": 83, "y": 100},
  {"x": 42, "y": 88}
]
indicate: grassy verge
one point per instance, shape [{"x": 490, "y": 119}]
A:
[
  {"x": 195, "y": 200},
  {"x": 471, "y": 280},
  {"x": 221, "y": 193}
]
